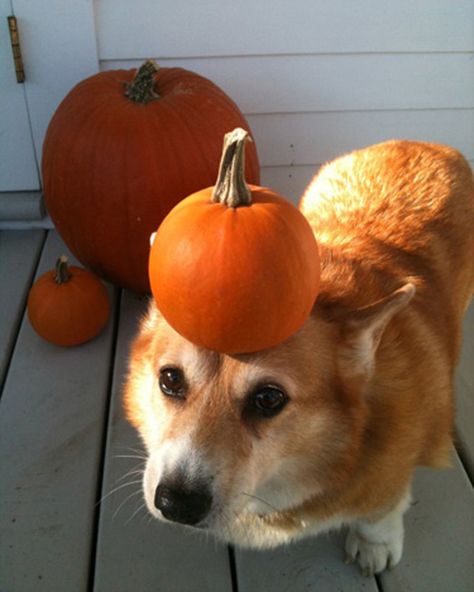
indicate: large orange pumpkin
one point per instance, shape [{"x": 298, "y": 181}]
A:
[
  {"x": 235, "y": 268},
  {"x": 69, "y": 305},
  {"x": 121, "y": 150}
]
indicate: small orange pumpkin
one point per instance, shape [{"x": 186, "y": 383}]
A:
[
  {"x": 68, "y": 305},
  {"x": 235, "y": 268}
]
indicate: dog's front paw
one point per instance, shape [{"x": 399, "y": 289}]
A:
[
  {"x": 373, "y": 557},
  {"x": 378, "y": 544}
]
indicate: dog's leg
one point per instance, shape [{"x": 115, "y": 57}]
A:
[{"x": 378, "y": 545}]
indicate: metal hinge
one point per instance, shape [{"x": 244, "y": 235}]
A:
[{"x": 16, "y": 50}]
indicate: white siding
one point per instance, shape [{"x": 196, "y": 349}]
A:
[
  {"x": 315, "y": 78},
  {"x": 180, "y": 28},
  {"x": 362, "y": 82}
]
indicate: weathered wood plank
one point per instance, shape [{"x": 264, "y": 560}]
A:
[
  {"x": 314, "y": 565},
  {"x": 51, "y": 423},
  {"x": 465, "y": 394},
  {"x": 134, "y": 553},
  {"x": 19, "y": 251},
  {"x": 439, "y": 538}
]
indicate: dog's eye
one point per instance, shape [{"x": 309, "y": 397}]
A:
[
  {"x": 268, "y": 400},
  {"x": 172, "y": 382}
]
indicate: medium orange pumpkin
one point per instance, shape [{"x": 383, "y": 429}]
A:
[
  {"x": 68, "y": 305},
  {"x": 122, "y": 149},
  {"x": 235, "y": 268}
]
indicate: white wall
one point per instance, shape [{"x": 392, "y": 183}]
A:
[{"x": 315, "y": 78}]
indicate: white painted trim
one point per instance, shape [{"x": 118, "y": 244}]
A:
[
  {"x": 21, "y": 205},
  {"x": 45, "y": 223}
]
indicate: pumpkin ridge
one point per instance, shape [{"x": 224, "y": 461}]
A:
[
  {"x": 103, "y": 235},
  {"x": 192, "y": 118},
  {"x": 208, "y": 160},
  {"x": 173, "y": 143}
]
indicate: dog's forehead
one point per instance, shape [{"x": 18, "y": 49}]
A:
[
  {"x": 197, "y": 363},
  {"x": 302, "y": 358},
  {"x": 237, "y": 373}
]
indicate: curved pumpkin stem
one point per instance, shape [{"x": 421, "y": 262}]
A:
[
  {"x": 63, "y": 274},
  {"x": 141, "y": 89},
  {"x": 231, "y": 188}
]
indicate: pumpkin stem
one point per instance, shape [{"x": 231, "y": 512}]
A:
[
  {"x": 63, "y": 274},
  {"x": 141, "y": 90},
  {"x": 231, "y": 189}
]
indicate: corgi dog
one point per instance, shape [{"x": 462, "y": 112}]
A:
[{"x": 326, "y": 429}]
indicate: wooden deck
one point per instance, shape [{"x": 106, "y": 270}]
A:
[{"x": 71, "y": 514}]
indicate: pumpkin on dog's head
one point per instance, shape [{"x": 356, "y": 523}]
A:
[{"x": 235, "y": 267}]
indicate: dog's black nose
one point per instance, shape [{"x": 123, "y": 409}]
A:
[{"x": 186, "y": 506}]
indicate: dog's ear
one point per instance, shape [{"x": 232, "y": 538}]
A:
[
  {"x": 151, "y": 318},
  {"x": 362, "y": 330}
]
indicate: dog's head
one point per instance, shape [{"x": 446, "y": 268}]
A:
[{"x": 252, "y": 433}]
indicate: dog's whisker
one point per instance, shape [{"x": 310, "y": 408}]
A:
[
  {"x": 116, "y": 489},
  {"x": 140, "y": 507},
  {"x": 148, "y": 516},
  {"x": 124, "y": 502},
  {"x": 143, "y": 458},
  {"x": 134, "y": 471},
  {"x": 129, "y": 449},
  {"x": 260, "y": 499}
]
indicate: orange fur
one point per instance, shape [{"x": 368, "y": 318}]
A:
[{"x": 370, "y": 385}]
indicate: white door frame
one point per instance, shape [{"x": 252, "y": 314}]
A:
[{"x": 59, "y": 48}]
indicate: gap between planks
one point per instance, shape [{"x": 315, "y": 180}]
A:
[{"x": 100, "y": 469}]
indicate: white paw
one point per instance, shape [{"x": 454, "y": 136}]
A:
[{"x": 373, "y": 557}]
